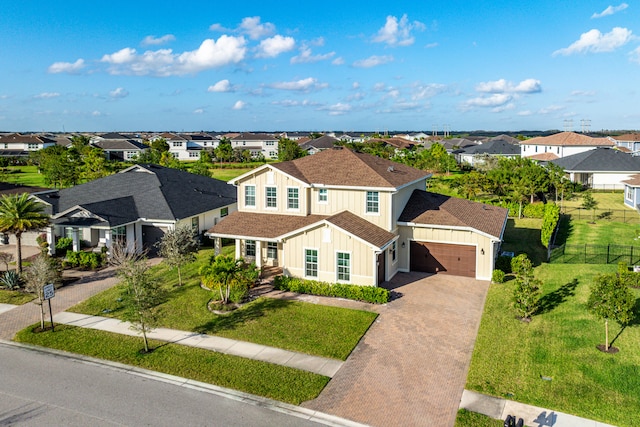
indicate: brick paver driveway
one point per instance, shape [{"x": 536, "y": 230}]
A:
[{"x": 410, "y": 368}]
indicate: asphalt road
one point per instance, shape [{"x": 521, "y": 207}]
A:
[{"x": 38, "y": 389}]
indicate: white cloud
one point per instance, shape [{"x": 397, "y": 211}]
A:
[
  {"x": 303, "y": 85},
  {"x": 550, "y": 109},
  {"x": 294, "y": 103},
  {"x": 398, "y": 33},
  {"x": 355, "y": 85},
  {"x": 584, "y": 92},
  {"x": 338, "y": 61},
  {"x": 219, "y": 28},
  {"x": 96, "y": 113},
  {"x": 610, "y": 11},
  {"x": 373, "y": 61},
  {"x": 306, "y": 56},
  {"x": 595, "y": 42},
  {"x": 634, "y": 55},
  {"x": 47, "y": 95},
  {"x": 252, "y": 27},
  {"x": 164, "y": 62},
  {"x": 154, "y": 41},
  {"x": 525, "y": 113},
  {"x": 221, "y": 86},
  {"x": 338, "y": 109},
  {"x": 379, "y": 87},
  {"x": 430, "y": 90},
  {"x": 492, "y": 101},
  {"x": 119, "y": 93},
  {"x": 504, "y": 86},
  {"x": 239, "y": 105},
  {"x": 431, "y": 45},
  {"x": 66, "y": 67},
  {"x": 198, "y": 111},
  {"x": 274, "y": 46}
]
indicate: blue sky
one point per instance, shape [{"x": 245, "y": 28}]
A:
[{"x": 344, "y": 66}]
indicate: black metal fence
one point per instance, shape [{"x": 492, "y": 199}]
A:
[
  {"x": 595, "y": 254},
  {"x": 628, "y": 216}
]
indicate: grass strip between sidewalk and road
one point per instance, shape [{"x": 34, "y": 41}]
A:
[{"x": 260, "y": 378}]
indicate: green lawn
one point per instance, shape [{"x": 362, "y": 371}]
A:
[
  {"x": 15, "y": 297},
  {"x": 606, "y": 201},
  {"x": 308, "y": 328},
  {"x": 251, "y": 376},
  {"x": 602, "y": 233},
  {"x": 229, "y": 174},
  {"x": 523, "y": 236},
  {"x": 472, "y": 419},
  {"x": 25, "y": 175},
  {"x": 513, "y": 359}
]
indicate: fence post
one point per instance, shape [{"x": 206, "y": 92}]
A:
[
  {"x": 585, "y": 253},
  {"x": 608, "y": 246},
  {"x": 631, "y": 256}
]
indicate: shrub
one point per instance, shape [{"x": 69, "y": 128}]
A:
[
  {"x": 534, "y": 210},
  {"x": 10, "y": 280},
  {"x": 623, "y": 267},
  {"x": 630, "y": 279},
  {"x": 549, "y": 223},
  {"x": 64, "y": 244},
  {"x": 497, "y": 276},
  {"x": 355, "y": 292},
  {"x": 86, "y": 260}
]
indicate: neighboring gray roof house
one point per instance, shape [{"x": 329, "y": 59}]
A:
[
  {"x": 496, "y": 147},
  {"x": 630, "y": 141},
  {"x": 15, "y": 144},
  {"x": 323, "y": 143},
  {"x": 257, "y": 143},
  {"x": 143, "y": 199},
  {"x": 600, "y": 168},
  {"x": 118, "y": 147}
]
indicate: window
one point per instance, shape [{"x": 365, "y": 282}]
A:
[
  {"x": 292, "y": 198},
  {"x": 224, "y": 212},
  {"x": 628, "y": 192},
  {"x": 270, "y": 143},
  {"x": 273, "y": 154},
  {"x": 177, "y": 143},
  {"x": 272, "y": 250},
  {"x": 272, "y": 197},
  {"x": 372, "y": 202},
  {"x": 32, "y": 146},
  {"x": 311, "y": 263},
  {"x": 250, "y": 248},
  {"x": 195, "y": 224},
  {"x": 394, "y": 247},
  {"x": 323, "y": 194},
  {"x": 194, "y": 154},
  {"x": 130, "y": 155},
  {"x": 344, "y": 266},
  {"x": 250, "y": 195},
  {"x": 119, "y": 235}
]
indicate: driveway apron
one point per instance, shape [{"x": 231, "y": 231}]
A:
[{"x": 410, "y": 368}]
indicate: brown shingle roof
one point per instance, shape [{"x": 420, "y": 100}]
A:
[
  {"x": 431, "y": 208},
  {"x": 343, "y": 167},
  {"x": 634, "y": 180},
  {"x": 396, "y": 142},
  {"x": 265, "y": 226},
  {"x": 569, "y": 138},
  {"x": 361, "y": 228},
  {"x": 628, "y": 137},
  {"x": 545, "y": 157}
]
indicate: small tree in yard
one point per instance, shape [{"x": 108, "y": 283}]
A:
[
  {"x": 590, "y": 204},
  {"x": 141, "y": 295},
  {"x": 41, "y": 272},
  {"x": 526, "y": 295},
  {"x": 178, "y": 247},
  {"x": 223, "y": 272},
  {"x": 611, "y": 299}
]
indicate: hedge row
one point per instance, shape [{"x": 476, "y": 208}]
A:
[
  {"x": 86, "y": 260},
  {"x": 549, "y": 223},
  {"x": 355, "y": 292}
]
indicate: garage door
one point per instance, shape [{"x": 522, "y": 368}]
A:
[{"x": 444, "y": 258}]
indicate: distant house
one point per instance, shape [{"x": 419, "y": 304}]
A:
[
  {"x": 630, "y": 141},
  {"x": 395, "y": 142},
  {"x": 17, "y": 145},
  {"x": 136, "y": 207},
  {"x": 187, "y": 146},
  {"x": 632, "y": 192},
  {"x": 475, "y": 154},
  {"x": 325, "y": 142},
  {"x": 600, "y": 168},
  {"x": 343, "y": 216},
  {"x": 562, "y": 144},
  {"x": 119, "y": 147},
  {"x": 257, "y": 143}
]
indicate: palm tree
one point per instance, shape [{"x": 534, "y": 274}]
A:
[{"x": 20, "y": 213}]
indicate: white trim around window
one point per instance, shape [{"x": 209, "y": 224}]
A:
[
  {"x": 293, "y": 199},
  {"x": 372, "y": 203},
  {"x": 250, "y": 196},
  {"x": 271, "y": 197},
  {"x": 311, "y": 263},
  {"x": 323, "y": 196},
  {"x": 343, "y": 266}
]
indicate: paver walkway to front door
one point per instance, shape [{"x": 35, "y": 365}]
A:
[{"x": 410, "y": 368}]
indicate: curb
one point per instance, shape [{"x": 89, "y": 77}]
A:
[{"x": 274, "y": 405}]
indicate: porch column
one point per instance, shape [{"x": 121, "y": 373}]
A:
[
  {"x": 51, "y": 240},
  {"x": 238, "y": 244},
  {"x": 138, "y": 237},
  {"x": 107, "y": 240},
  {"x": 76, "y": 240},
  {"x": 217, "y": 245},
  {"x": 258, "y": 254}
]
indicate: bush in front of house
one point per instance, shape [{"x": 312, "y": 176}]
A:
[
  {"x": 497, "y": 276},
  {"x": 84, "y": 260},
  {"x": 63, "y": 244},
  {"x": 504, "y": 263},
  {"x": 340, "y": 290}
]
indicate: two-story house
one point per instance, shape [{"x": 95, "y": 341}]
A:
[
  {"x": 256, "y": 143},
  {"x": 187, "y": 146},
  {"x": 343, "y": 216},
  {"x": 119, "y": 147},
  {"x": 561, "y": 145},
  {"x": 17, "y": 145}
]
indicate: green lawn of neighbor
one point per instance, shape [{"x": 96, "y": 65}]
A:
[
  {"x": 25, "y": 175},
  {"x": 606, "y": 201},
  {"x": 228, "y": 174},
  {"x": 251, "y": 376},
  {"x": 308, "y": 328},
  {"x": 603, "y": 232},
  {"x": 552, "y": 362},
  {"x": 15, "y": 297},
  {"x": 472, "y": 419},
  {"x": 523, "y": 236}
]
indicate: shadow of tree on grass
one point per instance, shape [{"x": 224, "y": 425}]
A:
[
  {"x": 550, "y": 301},
  {"x": 251, "y": 311}
]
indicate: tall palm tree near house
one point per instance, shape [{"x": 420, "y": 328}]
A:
[{"x": 20, "y": 213}]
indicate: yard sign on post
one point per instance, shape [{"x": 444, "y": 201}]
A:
[{"x": 49, "y": 292}]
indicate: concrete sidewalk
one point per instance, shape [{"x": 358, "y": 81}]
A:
[
  {"x": 499, "y": 409},
  {"x": 318, "y": 365}
]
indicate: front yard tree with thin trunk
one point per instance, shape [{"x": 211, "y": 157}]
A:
[
  {"x": 20, "y": 213},
  {"x": 526, "y": 294},
  {"x": 39, "y": 273},
  {"x": 178, "y": 248},
  {"x": 611, "y": 299},
  {"x": 141, "y": 295},
  {"x": 589, "y": 203}
]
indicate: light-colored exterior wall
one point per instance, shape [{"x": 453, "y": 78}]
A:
[
  {"x": 528, "y": 150},
  {"x": 401, "y": 198},
  {"x": 328, "y": 241},
  {"x": 273, "y": 178},
  {"x": 484, "y": 262},
  {"x": 601, "y": 180}
]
